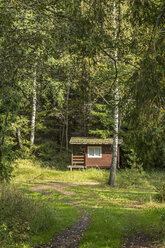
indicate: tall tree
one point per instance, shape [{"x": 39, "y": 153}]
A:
[
  {"x": 116, "y": 108},
  {"x": 34, "y": 107}
]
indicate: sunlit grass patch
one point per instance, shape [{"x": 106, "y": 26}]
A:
[
  {"x": 27, "y": 169},
  {"x": 29, "y": 218},
  {"x": 108, "y": 228},
  {"x": 21, "y": 216},
  {"x": 116, "y": 212},
  {"x": 112, "y": 223}
]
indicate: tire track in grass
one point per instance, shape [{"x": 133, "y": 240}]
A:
[
  {"x": 141, "y": 240},
  {"x": 71, "y": 236}
]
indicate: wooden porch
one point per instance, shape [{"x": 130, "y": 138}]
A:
[{"x": 78, "y": 162}]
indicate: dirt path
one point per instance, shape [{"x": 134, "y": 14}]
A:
[
  {"x": 71, "y": 236},
  {"x": 141, "y": 240},
  {"x": 53, "y": 186}
]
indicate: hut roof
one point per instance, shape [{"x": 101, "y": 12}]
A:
[{"x": 91, "y": 141}]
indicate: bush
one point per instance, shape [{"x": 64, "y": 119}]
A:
[
  {"x": 134, "y": 177},
  {"x": 50, "y": 156},
  {"x": 60, "y": 161},
  {"x": 21, "y": 217},
  {"x": 160, "y": 189}
]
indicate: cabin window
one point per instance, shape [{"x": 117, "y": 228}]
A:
[{"x": 94, "y": 152}]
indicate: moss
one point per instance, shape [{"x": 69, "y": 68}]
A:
[{"x": 91, "y": 141}]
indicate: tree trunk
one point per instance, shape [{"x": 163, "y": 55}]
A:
[
  {"x": 19, "y": 138},
  {"x": 62, "y": 136},
  {"x": 34, "y": 108},
  {"x": 116, "y": 112},
  {"x": 115, "y": 138},
  {"x": 67, "y": 118}
]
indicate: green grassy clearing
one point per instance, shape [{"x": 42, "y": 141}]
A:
[
  {"x": 116, "y": 212},
  {"x": 29, "y": 218}
]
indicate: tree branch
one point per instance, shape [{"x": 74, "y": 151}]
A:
[
  {"x": 102, "y": 96},
  {"x": 162, "y": 11}
]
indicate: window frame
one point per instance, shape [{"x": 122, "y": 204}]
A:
[{"x": 95, "y": 156}]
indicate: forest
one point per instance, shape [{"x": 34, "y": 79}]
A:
[
  {"x": 81, "y": 68},
  {"x": 64, "y": 64}
]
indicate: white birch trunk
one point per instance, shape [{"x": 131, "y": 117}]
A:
[
  {"x": 34, "y": 108},
  {"x": 62, "y": 136},
  {"x": 115, "y": 138},
  {"x": 67, "y": 118},
  {"x": 116, "y": 113},
  {"x": 19, "y": 138}
]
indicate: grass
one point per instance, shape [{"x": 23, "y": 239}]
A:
[
  {"x": 116, "y": 213},
  {"x": 115, "y": 220},
  {"x": 27, "y": 169},
  {"x": 21, "y": 216},
  {"x": 28, "y": 218}
]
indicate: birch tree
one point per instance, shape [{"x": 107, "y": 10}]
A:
[
  {"x": 33, "y": 120},
  {"x": 116, "y": 109}
]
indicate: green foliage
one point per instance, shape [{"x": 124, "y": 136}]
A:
[
  {"x": 59, "y": 161},
  {"x": 132, "y": 177},
  {"x": 160, "y": 189},
  {"x": 102, "y": 121},
  {"x": 21, "y": 217},
  {"x": 6, "y": 158},
  {"x": 145, "y": 143},
  {"x": 47, "y": 150},
  {"x": 49, "y": 155},
  {"x": 131, "y": 158},
  {"x": 162, "y": 215},
  {"x": 74, "y": 48}
]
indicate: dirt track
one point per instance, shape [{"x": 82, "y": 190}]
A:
[{"x": 71, "y": 236}]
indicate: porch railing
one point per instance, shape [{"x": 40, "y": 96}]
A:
[{"x": 78, "y": 160}]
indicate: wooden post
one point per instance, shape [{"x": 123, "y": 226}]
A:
[{"x": 85, "y": 156}]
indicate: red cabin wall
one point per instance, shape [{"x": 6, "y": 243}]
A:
[{"x": 103, "y": 162}]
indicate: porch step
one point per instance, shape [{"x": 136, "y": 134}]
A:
[
  {"x": 71, "y": 167},
  {"x": 78, "y": 156},
  {"x": 78, "y": 162}
]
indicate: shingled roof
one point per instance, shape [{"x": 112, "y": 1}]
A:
[{"x": 91, "y": 141}]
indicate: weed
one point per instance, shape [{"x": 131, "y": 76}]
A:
[
  {"x": 160, "y": 189},
  {"x": 134, "y": 177},
  {"x": 21, "y": 216}
]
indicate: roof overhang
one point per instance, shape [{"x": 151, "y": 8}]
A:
[{"x": 91, "y": 141}]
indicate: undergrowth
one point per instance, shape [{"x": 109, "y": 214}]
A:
[
  {"x": 132, "y": 178},
  {"x": 21, "y": 217}
]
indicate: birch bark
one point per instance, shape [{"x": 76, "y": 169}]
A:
[
  {"x": 19, "y": 138},
  {"x": 67, "y": 118},
  {"x": 116, "y": 111},
  {"x": 33, "y": 120}
]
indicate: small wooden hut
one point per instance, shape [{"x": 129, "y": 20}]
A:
[{"x": 90, "y": 152}]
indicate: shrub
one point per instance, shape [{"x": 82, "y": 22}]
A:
[
  {"x": 160, "y": 189},
  {"x": 60, "y": 161},
  {"x": 21, "y": 216},
  {"x": 134, "y": 177}
]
